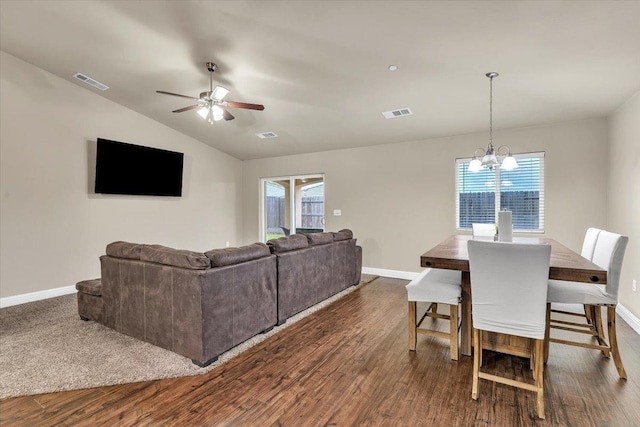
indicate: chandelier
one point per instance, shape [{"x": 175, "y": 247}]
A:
[{"x": 491, "y": 157}]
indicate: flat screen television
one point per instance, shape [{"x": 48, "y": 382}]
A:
[{"x": 123, "y": 168}]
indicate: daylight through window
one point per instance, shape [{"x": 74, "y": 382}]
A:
[{"x": 480, "y": 195}]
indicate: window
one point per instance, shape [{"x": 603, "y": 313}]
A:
[
  {"x": 291, "y": 204},
  {"x": 480, "y": 195}
]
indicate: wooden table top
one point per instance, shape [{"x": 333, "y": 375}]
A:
[{"x": 451, "y": 254}]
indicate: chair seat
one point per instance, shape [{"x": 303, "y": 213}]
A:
[
  {"x": 436, "y": 285},
  {"x": 578, "y": 293}
]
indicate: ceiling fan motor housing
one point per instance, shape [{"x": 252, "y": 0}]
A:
[{"x": 207, "y": 95}]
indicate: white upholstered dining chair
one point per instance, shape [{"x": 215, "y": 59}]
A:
[
  {"x": 435, "y": 286},
  {"x": 589, "y": 242},
  {"x": 608, "y": 253},
  {"x": 593, "y": 318},
  {"x": 508, "y": 295},
  {"x": 483, "y": 230}
]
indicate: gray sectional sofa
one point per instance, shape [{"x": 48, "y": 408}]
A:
[
  {"x": 200, "y": 305},
  {"x": 313, "y": 267}
]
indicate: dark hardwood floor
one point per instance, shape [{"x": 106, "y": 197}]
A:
[{"x": 349, "y": 365}]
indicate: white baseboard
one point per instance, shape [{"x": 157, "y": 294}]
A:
[
  {"x": 628, "y": 317},
  {"x": 36, "y": 296},
  {"x": 395, "y": 274}
]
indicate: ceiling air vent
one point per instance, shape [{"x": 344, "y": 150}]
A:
[
  {"x": 397, "y": 113},
  {"x": 265, "y": 135},
  {"x": 90, "y": 81}
]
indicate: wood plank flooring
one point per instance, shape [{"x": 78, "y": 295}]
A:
[{"x": 349, "y": 365}]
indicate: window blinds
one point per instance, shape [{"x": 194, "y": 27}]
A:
[{"x": 480, "y": 195}]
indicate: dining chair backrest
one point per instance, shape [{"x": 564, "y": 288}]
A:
[
  {"x": 609, "y": 254},
  {"x": 483, "y": 230},
  {"x": 509, "y": 287},
  {"x": 589, "y": 243}
]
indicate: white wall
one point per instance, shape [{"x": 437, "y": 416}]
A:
[
  {"x": 399, "y": 199},
  {"x": 624, "y": 194},
  {"x": 53, "y": 229}
]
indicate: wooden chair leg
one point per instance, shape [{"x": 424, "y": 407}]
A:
[
  {"x": 588, "y": 313},
  {"x": 481, "y": 338},
  {"x": 476, "y": 363},
  {"x": 412, "y": 326},
  {"x": 613, "y": 340},
  {"x": 434, "y": 307},
  {"x": 539, "y": 375},
  {"x": 547, "y": 333},
  {"x": 597, "y": 323},
  {"x": 453, "y": 331}
]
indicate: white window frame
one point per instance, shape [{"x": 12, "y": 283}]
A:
[{"x": 541, "y": 225}]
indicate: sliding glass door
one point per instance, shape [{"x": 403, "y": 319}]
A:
[{"x": 291, "y": 204}]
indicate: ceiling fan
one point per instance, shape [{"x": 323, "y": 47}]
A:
[{"x": 212, "y": 103}]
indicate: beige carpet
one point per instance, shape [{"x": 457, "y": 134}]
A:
[{"x": 45, "y": 347}]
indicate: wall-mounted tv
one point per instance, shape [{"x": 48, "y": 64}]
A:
[{"x": 133, "y": 169}]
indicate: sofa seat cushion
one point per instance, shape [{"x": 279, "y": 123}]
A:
[
  {"x": 174, "y": 257},
  {"x": 286, "y": 244},
  {"x": 90, "y": 287},
  {"x": 344, "y": 234},
  {"x": 231, "y": 256},
  {"x": 124, "y": 250},
  {"x": 319, "y": 238}
]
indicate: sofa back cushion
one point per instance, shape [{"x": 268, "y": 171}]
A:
[
  {"x": 124, "y": 250},
  {"x": 230, "y": 256},
  {"x": 174, "y": 257},
  {"x": 344, "y": 234},
  {"x": 286, "y": 244},
  {"x": 319, "y": 238}
]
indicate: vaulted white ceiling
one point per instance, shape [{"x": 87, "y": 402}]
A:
[{"x": 320, "y": 67}]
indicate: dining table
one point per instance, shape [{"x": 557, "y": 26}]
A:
[{"x": 452, "y": 254}]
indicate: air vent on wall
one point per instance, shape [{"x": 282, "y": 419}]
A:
[
  {"x": 90, "y": 81},
  {"x": 397, "y": 113},
  {"x": 265, "y": 135}
]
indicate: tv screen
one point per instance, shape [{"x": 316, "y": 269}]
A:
[{"x": 133, "y": 169}]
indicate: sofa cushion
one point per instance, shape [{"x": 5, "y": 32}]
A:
[
  {"x": 174, "y": 257},
  {"x": 91, "y": 287},
  {"x": 230, "y": 256},
  {"x": 319, "y": 238},
  {"x": 344, "y": 234},
  {"x": 286, "y": 244},
  {"x": 124, "y": 250}
]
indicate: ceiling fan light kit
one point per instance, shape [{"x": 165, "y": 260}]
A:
[
  {"x": 211, "y": 104},
  {"x": 490, "y": 158}
]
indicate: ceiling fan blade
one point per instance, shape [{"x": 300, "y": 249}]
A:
[
  {"x": 234, "y": 104},
  {"x": 191, "y": 107},
  {"x": 176, "y": 94},
  {"x": 219, "y": 93},
  {"x": 227, "y": 115}
]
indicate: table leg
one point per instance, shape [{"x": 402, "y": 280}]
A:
[{"x": 466, "y": 325}]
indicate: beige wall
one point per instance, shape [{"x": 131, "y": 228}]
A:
[
  {"x": 53, "y": 229},
  {"x": 624, "y": 194},
  {"x": 399, "y": 199}
]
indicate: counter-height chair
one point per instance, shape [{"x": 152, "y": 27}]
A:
[
  {"x": 589, "y": 242},
  {"x": 501, "y": 274},
  {"x": 608, "y": 254},
  {"x": 593, "y": 318},
  {"x": 435, "y": 286},
  {"x": 483, "y": 230}
]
